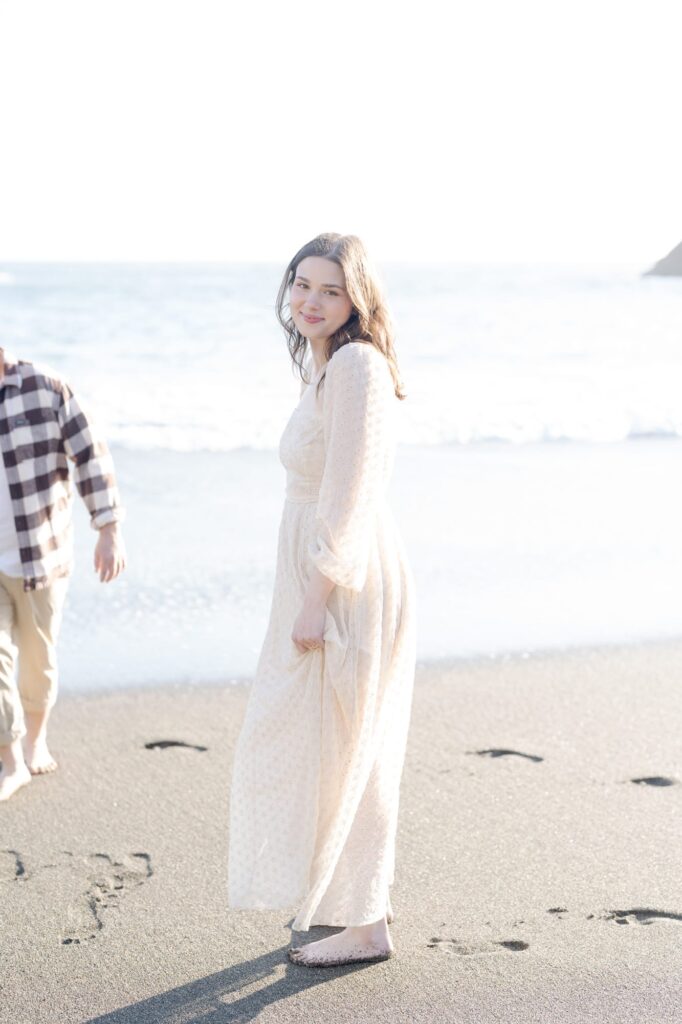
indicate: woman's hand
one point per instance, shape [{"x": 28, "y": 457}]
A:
[{"x": 308, "y": 630}]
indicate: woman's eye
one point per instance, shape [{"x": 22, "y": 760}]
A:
[{"x": 333, "y": 294}]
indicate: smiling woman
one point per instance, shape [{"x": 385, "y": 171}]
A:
[
  {"x": 319, "y": 308},
  {"x": 318, "y": 762},
  {"x": 330, "y": 295}
]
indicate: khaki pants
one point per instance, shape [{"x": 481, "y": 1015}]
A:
[{"x": 29, "y": 626}]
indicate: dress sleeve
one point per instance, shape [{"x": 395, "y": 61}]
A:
[{"x": 357, "y": 435}]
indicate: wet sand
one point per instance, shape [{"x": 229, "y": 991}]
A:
[{"x": 537, "y": 860}]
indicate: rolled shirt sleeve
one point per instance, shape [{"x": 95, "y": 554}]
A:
[
  {"x": 94, "y": 467},
  {"x": 358, "y": 391}
]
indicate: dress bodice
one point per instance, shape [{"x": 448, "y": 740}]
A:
[
  {"x": 301, "y": 447},
  {"x": 337, "y": 449}
]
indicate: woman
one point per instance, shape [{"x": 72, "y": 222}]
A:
[{"x": 318, "y": 761}]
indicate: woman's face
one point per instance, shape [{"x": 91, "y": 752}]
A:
[{"x": 318, "y": 301}]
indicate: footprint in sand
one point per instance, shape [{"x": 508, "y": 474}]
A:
[
  {"x": 502, "y": 752},
  {"x": 455, "y": 946},
  {"x": 636, "y": 915},
  {"x": 560, "y": 913},
  {"x": 108, "y": 881},
  {"x": 641, "y": 915},
  {"x": 12, "y": 867},
  {"x": 165, "y": 744},
  {"x": 654, "y": 780}
]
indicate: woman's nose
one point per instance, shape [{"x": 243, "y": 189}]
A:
[{"x": 312, "y": 300}]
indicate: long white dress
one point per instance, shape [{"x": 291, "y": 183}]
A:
[{"x": 319, "y": 757}]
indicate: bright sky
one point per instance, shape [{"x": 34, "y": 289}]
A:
[{"x": 236, "y": 130}]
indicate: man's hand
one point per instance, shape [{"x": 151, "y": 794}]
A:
[{"x": 110, "y": 555}]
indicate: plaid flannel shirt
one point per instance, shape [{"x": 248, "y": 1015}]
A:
[{"x": 41, "y": 426}]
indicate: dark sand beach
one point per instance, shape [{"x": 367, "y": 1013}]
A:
[{"x": 536, "y": 881}]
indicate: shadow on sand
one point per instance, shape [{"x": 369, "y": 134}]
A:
[{"x": 239, "y": 993}]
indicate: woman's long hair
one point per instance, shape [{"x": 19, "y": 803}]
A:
[{"x": 369, "y": 321}]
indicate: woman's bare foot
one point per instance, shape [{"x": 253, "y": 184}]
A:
[
  {"x": 38, "y": 758},
  {"x": 363, "y": 943}
]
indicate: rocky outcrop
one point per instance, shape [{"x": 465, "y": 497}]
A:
[{"x": 670, "y": 265}]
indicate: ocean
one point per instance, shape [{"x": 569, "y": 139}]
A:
[{"x": 537, "y": 483}]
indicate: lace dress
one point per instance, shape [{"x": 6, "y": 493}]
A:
[{"x": 319, "y": 757}]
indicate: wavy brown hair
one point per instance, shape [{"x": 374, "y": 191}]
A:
[{"x": 369, "y": 321}]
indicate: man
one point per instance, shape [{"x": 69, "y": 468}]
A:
[{"x": 41, "y": 427}]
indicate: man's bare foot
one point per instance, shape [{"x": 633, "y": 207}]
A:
[
  {"x": 12, "y": 780},
  {"x": 38, "y": 758},
  {"x": 364, "y": 943}
]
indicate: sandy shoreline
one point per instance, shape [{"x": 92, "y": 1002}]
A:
[{"x": 537, "y": 885}]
